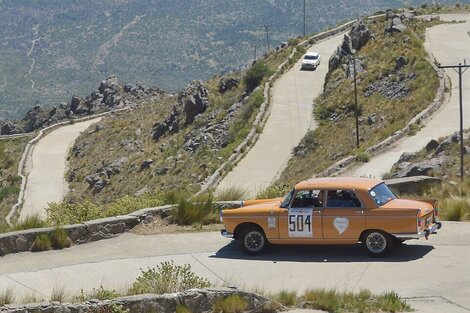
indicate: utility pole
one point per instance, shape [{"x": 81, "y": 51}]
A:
[
  {"x": 458, "y": 68},
  {"x": 305, "y": 31},
  {"x": 266, "y": 27},
  {"x": 356, "y": 109}
]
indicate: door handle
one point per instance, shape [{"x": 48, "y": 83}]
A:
[
  {"x": 360, "y": 211},
  {"x": 318, "y": 212}
]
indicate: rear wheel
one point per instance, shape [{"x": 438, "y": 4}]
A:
[
  {"x": 252, "y": 240},
  {"x": 377, "y": 243}
]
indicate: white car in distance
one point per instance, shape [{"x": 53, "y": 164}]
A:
[{"x": 311, "y": 61}]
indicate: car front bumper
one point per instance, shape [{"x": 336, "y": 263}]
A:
[
  {"x": 424, "y": 234},
  {"x": 226, "y": 234}
]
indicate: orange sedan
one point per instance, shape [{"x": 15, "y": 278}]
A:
[{"x": 332, "y": 211}]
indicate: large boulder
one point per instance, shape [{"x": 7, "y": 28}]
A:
[
  {"x": 170, "y": 124},
  {"x": 195, "y": 101},
  {"x": 9, "y": 128}
]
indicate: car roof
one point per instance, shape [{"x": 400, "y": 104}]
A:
[
  {"x": 339, "y": 183},
  {"x": 312, "y": 53}
]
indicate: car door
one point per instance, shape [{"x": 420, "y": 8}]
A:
[
  {"x": 343, "y": 215},
  {"x": 301, "y": 221}
]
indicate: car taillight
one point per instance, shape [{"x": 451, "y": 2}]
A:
[
  {"x": 436, "y": 212},
  {"x": 420, "y": 222}
]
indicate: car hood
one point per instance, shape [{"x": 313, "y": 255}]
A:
[{"x": 260, "y": 208}]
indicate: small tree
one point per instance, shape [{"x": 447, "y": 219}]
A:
[{"x": 254, "y": 76}]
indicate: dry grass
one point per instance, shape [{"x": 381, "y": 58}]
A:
[
  {"x": 161, "y": 226},
  {"x": 7, "y": 296}
]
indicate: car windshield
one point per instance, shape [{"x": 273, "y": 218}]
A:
[
  {"x": 287, "y": 198},
  {"x": 311, "y": 57},
  {"x": 382, "y": 194}
]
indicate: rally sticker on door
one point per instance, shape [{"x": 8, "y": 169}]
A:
[
  {"x": 341, "y": 224},
  {"x": 299, "y": 222}
]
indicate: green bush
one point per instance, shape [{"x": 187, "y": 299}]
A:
[
  {"x": 129, "y": 204},
  {"x": 287, "y": 298},
  {"x": 8, "y": 190},
  {"x": 273, "y": 191},
  {"x": 60, "y": 239},
  {"x": 60, "y": 213},
  {"x": 167, "y": 278},
  {"x": 31, "y": 221},
  {"x": 455, "y": 208},
  {"x": 255, "y": 75},
  {"x": 198, "y": 210},
  {"x": 103, "y": 294},
  {"x": 42, "y": 243},
  {"x": 231, "y": 304}
]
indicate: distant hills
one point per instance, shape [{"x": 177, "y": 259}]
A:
[{"x": 52, "y": 49}]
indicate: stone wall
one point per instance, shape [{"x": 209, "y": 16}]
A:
[
  {"x": 196, "y": 300},
  {"x": 94, "y": 230}
]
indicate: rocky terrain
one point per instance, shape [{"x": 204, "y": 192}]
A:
[{"x": 440, "y": 158}]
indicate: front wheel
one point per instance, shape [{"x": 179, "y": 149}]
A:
[
  {"x": 377, "y": 243},
  {"x": 253, "y": 241}
]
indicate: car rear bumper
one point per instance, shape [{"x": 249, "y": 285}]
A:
[
  {"x": 226, "y": 234},
  {"x": 424, "y": 234}
]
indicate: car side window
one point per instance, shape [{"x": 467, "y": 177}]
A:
[
  {"x": 307, "y": 199},
  {"x": 342, "y": 199}
]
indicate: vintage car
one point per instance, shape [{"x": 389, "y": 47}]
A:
[{"x": 332, "y": 211}]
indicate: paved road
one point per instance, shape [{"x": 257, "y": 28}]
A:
[
  {"x": 46, "y": 181},
  {"x": 450, "y": 45},
  {"x": 433, "y": 273},
  {"x": 290, "y": 118}
]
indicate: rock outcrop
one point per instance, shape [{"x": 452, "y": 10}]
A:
[{"x": 195, "y": 99}]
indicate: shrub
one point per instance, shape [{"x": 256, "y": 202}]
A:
[
  {"x": 167, "y": 278},
  {"x": 127, "y": 204},
  {"x": 61, "y": 213},
  {"x": 455, "y": 208},
  {"x": 60, "y": 239},
  {"x": 103, "y": 294},
  {"x": 231, "y": 304},
  {"x": 31, "y": 221},
  {"x": 199, "y": 210},
  {"x": 273, "y": 191},
  {"x": 232, "y": 194},
  {"x": 59, "y": 294},
  {"x": 362, "y": 157},
  {"x": 287, "y": 298},
  {"x": 42, "y": 243},
  {"x": 255, "y": 75}
]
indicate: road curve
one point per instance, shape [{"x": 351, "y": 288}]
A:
[
  {"x": 434, "y": 274},
  {"x": 450, "y": 45},
  {"x": 46, "y": 181},
  {"x": 289, "y": 120}
]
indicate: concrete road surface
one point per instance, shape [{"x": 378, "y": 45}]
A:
[
  {"x": 46, "y": 181},
  {"x": 450, "y": 45},
  {"x": 434, "y": 274},
  {"x": 290, "y": 118}
]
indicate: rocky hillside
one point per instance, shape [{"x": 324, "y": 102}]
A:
[
  {"x": 51, "y": 50},
  {"x": 167, "y": 141},
  {"x": 440, "y": 158},
  {"x": 394, "y": 83}
]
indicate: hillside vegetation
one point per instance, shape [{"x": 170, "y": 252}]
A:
[
  {"x": 171, "y": 141},
  {"x": 10, "y": 154},
  {"x": 50, "y": 50}
]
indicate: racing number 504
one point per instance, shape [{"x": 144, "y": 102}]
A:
[{"x": 299, "y": 222}]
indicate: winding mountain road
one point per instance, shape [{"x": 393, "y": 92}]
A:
[
  {"x": 450, "y": 45},
  {"x": 47, "y": 165},
  {"x": 434, "y": 275},
  {"x": 289, "y": 120}
]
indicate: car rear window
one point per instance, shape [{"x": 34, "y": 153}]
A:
[
  {"x": 311, "y": 57},
  {"x": 382, "y": 194}
]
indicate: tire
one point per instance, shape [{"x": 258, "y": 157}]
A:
[
  {"x": 252, "y": 240},
  {"x": 377, "y": 243}
]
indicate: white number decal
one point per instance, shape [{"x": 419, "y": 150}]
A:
[{"x": 300, "y": 222}]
